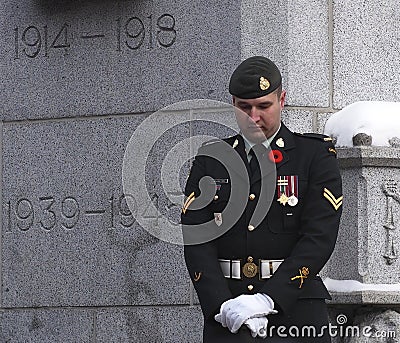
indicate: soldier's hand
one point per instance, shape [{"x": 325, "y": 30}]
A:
[
  {"x": 234, "y": 312},
  {"x": 257, "y": 326}
]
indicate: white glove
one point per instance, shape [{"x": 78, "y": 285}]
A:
[
  {"x": 257, "y": 326},
  {"x": 234, "y": 312}
]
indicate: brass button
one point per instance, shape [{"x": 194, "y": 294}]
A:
[
  {"x": 215, "y": 197},
  {"x": 250, "y": 287},
  {"x": 252, "y": 196},
  {"x": 250, "y": 227}
]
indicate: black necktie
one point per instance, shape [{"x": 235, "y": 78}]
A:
[{"x": 256, "y": 150}]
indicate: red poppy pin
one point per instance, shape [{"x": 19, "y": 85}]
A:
[{"x": 275, "y": 156}]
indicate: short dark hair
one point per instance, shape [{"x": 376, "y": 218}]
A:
[{"x": 278, "y": 91}]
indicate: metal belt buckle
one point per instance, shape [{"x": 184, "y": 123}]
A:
[{"x": 250, "y": 269}]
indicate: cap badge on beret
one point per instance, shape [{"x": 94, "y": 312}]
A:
[{"x": 264, "y": 83}]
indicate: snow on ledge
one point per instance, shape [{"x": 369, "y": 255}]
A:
[
  {"x": 349, "y": 286},
  {"x": 378, "y": 119}
]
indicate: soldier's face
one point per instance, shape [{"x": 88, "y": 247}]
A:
[{"x": 259, "y": 118}]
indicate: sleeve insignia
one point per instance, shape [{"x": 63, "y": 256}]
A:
[
  {"x": 187, "y": 202},
  {"x": 303, "y": 274},
  {"x": 335, "y": 202},
  {"x": 332, "y": 150},
  {"x": 197, "y": 276}
]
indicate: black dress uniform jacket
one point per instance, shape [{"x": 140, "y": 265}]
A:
[{"x": 303, "y": 236}]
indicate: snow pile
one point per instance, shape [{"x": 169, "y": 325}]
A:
[
  {"x": 349, "y": 286},
  {"x": 378, "y": 119}
]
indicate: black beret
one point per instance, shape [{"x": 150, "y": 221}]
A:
[{"x": 255, "y": 77}]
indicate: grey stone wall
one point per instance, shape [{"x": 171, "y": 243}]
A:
[{"x": 78, "y": 77}]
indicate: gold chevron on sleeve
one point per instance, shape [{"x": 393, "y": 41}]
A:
[
  {"x": 187, "y": 202},
  {"x": 336, "y": 202}
]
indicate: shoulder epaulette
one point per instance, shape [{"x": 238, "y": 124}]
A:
[
  {"x": 212, "y": 141},
  {"x": 230, "y": 140},
  {"x": 322, "y": 138},
  {"x": 318, "y": 136}
]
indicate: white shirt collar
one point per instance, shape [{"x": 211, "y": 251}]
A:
[{"x": 248, "y": 145}]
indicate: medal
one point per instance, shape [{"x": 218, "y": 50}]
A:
[
  {"x": 283, "y": 199},
  {"x": 288, "y": 190},
  {"x": 292, "y": 201}
]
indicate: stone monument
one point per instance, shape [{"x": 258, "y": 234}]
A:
[
  {"x": 363, "y": 274},
  {"x": 79, "y": 77}
]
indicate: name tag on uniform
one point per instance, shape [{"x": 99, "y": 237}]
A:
[{"x": 220, "y": 182}]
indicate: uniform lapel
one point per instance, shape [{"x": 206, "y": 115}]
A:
[{"x": 285, "y": 136}]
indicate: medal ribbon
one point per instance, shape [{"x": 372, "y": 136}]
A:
[
  {"x": 282, "y": 185},
  {"x": 293, "y": 185},
  {"x": 288, "y": 185}
]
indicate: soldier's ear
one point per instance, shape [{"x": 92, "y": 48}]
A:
[{"x": 282, "y": 99}]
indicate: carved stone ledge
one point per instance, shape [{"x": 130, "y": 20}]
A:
[
  {"x": 368, "y": 156},
  {"x": 365, "y": 297}
]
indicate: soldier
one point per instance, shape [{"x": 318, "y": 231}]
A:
[{"x": 258, "y": 278}]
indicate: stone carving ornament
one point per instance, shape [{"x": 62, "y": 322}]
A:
[{"x": 390, "y": 189}]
